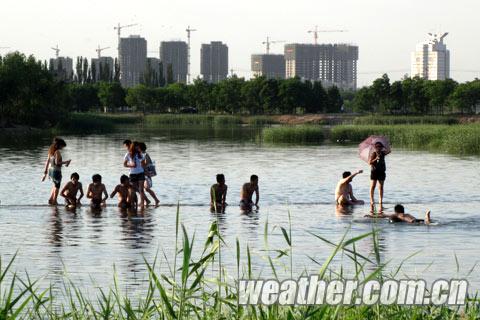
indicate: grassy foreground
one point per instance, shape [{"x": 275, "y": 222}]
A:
[{"x": 198, "y": 287}]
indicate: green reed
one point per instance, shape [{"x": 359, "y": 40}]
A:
[
  {"x": 398, "y": 119},
  {"x": 303, "y": 134},
  {"x": 455, "y": 139}
]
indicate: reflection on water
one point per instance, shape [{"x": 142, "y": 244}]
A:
[{"x": 299, "y": 180}]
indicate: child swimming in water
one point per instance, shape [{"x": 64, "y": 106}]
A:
[
  {"x": 95, "y": 191},
  {"x": 70, "y": 190},
  {"x": 401, "y": 216}
]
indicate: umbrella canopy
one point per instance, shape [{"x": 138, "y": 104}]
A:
[{"x": 367, "y": 147}]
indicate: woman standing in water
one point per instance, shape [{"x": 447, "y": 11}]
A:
[
  {"x": 53, "y": 168},
  {"x": 377, "y": 175},
  {"x": 135, "y": 161}
]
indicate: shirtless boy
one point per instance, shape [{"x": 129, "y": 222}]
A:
[
  {"x": 401, "y": 216},
  {"x": 218, "y": 195},
  {"x": 123, "y": 192},
  {"x": 344, "y": 192},
  {"x": 246, "y": 194},
  {"x": 70, "y": 190},
  {"x": 95, "y": 191}
]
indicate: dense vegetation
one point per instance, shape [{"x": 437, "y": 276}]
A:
[{"x": 30, "y": 93}]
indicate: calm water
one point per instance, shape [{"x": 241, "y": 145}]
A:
[{"x": 52, "y": 242}]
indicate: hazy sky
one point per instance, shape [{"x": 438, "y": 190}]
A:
[{"x": 385, "y": 31}]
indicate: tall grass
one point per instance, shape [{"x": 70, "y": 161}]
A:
[
  {"x": 260, "y": 120},
  {"x": 96, "y": 122},
  {"x": 303, "y": 134},
  {"x": 394, "y": 120},
  {"x": 190, "y": 292},
  {"x": 457, "y": 139},
  {"x": 191, "y": 119}
]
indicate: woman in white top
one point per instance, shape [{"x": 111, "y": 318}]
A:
[{"x": 135, "y": 161}]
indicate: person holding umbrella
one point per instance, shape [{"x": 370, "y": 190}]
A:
[{"x": 373, "y": 151}]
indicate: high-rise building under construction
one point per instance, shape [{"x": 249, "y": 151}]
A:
[
  {"x": 214, "y": 61},
  {"x": 332, "y": 64},
  {"x": 270, "y": 66},
  {"x": 174, "y": 55},
  {"x": 133, "y": 60}
]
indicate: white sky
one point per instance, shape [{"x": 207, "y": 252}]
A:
[{"x": 385, "y": 31}]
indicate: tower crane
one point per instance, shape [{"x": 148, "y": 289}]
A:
[
  {"x": 57, "y": 51},
  {"x": 99, "y": 50},
  {"x": 315, "y": 32},
  {"x": 189, "y": 31},
  {"x": 269, "y": 42},
  {"x": 119, "y": 30}
]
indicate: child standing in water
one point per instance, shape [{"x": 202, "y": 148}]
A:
[
  {"x": 53, "y": 168},
  {"x": 246, "y": 194},
  {"x": 70, "y": 190},
  {"x": 95, "y": 191},
  {"x": 124, "y": 191},
  {"x": 218, "y": 195}
]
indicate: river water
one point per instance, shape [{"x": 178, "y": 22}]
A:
[{"x": 52, "y": 243}]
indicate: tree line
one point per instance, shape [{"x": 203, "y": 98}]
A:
[{"x": 30, "y": 93}]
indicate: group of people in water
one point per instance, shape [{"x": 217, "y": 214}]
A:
[{"x": 142, "y": 169}]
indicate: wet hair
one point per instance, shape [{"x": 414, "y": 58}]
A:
[
  {"x": 123, "y": 179},
  {"x": 399, "y": 209},
  {"x": 142, "y": 146},
  {"x": 97, "y": 178},
  {"x": 127, "y": 142},
  {"x": 220, "y": 177},
  {"x": 346, "y": 174},
  {"x": 57, "y": 144},
  {"x": 75, "y": 175},
  {"x": 253, "y": 177}
]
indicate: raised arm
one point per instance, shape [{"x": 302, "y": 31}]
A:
[
  {"x": 373, "y": 158},
  {"x": 350, "y": 177}
]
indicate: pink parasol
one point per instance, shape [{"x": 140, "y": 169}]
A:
[{"x": 367, "y": 147}]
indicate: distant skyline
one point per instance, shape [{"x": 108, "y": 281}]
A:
[{"x": 385, "y": 31}]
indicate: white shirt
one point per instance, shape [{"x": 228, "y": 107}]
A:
[{"x": 138, "y": 163}]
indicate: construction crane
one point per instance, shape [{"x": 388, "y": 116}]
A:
[
  {"x": 119, "y": 30},
  {"x": 316, "y": 31},
  {"x": 189, "y": 31},
  {"x": 57, "y": 51},
  {"x": 269, "y": 42},
  {"x": 99, "y": 51}
]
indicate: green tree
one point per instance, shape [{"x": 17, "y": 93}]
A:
[
  {"x": 466, "y": 96},
  {"x": 334, "y": 99},
  {"x": 111, "y": 95},
  {"x": 438, "y": 93},
  {"x": 364, "y": 100}
]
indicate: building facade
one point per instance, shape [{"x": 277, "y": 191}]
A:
[
  {"x": 431, "y": 59},
  {"x": 214, "y": 61},
  {"x": 332, "y": 64},
  {"x": 175, "y": 53},
  {"x": 271, "y": 66},
  {"x": 103, "y": 68},
  {"x": 133, "y": 60},
  {"x": 62, "y": 68}
]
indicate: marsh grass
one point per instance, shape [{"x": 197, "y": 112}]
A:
[
  {"x": 396, "y": 120},
  {"x": 260, "y": 120},
  {"x": 96, "y": 122},
  {"x": 456, "y": 139},
  {"x": 189, "y": 291},
  {"x": 192, "y": 119},
  {"x": 303, "y": 134}
]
